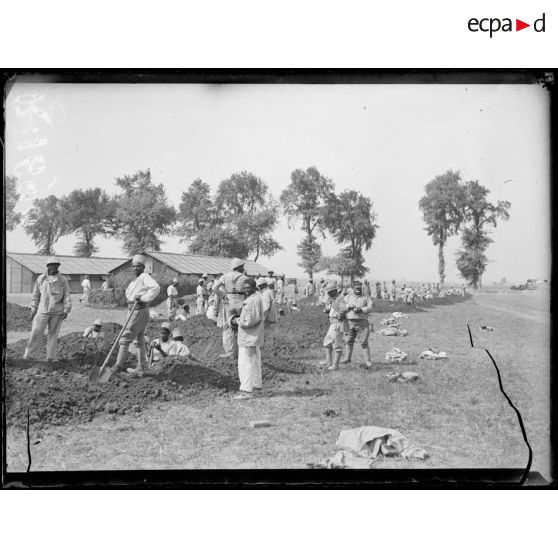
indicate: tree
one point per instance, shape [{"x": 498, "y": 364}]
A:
[
  {"x": 196, "y": 211},
  {"x": 218, "y": 241},
  {"x": 304, "y": 201},
  {"x": 143, "y": 213},
  {"x": 442, "y": 208},
  {"x": 12, "y": 197},
  {"x": 244, "y": 204},
  {"x": 242, "y": 193},
  {"x": 88, "y": 213},
  {"x": 255, "y": 230},
  {"x": 341, "y": 265},
  {"x": 310, "y": 253},
  {"x": 351, "y": 221},
  {"x": 480, "y": 216},
  {"x": 45, "y": 223}
]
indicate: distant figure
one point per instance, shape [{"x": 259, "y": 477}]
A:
[
  {"x": 200, "y": 300},
  {"x": 172, "y": 298},
  {"x": 392, "y": 291},
  {"x": 366, "y": 291},
  {"x": 86, "y": 286},
  {"x": 105, "y": 285},
  {"x": 94, "y": 331},
  {"x": 310, "y": 292}
]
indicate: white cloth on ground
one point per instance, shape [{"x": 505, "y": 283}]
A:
[
  {"x": 429, "y": 354},
  {"x": 399, "y": 315},
  {"x": 395, "y": 355}
]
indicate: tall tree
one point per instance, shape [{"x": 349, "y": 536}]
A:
[
  {"x": 45, "y": 223},
  {"x": 197, "y": 210},
  {"x": 480, "y": 217},
  {"x": 88, "y": 213},
  {"x": 256, "y": 230},
  {"x": 304, "y": 201},
  {"x": 350, "y": 219},
  {"x": 13, "y": 218},
  {"x": 442, "y": 207},
  {"x": 310, "y": 253},
  {"x": 243, "y": 202},
  {"x": 242, "y": 193},
  {"x": 143, "y": 213},
  {"x": 218, "y": 241}
]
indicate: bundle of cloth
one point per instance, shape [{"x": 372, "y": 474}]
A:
[
  {"x": 393, "y": 329},
  {"x": 362, "y": 446},
  {"x": 402, "y": 377},
  {"x": 429, "y": 354},
  {"x": 396, "y": 355},
  {"x": 399, "y": 315}
]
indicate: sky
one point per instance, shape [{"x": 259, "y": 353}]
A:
[{"x": 386, "y": 141}]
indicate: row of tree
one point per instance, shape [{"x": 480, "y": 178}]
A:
[
  {"x": 451, "y": 206},
  {"x": 237, "y": 221}
]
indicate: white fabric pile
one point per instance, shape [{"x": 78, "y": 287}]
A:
[
  {"x": 402, "y": 377},
  {"x": 399, "y": 315},
  {"x": 429, "y": 354},
  {"x": 396, "y": 355},
  {"x": 361, "y": 446},
  {"x": 393, "y": 330}
]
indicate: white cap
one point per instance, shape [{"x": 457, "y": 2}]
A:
[
  {"x": 237, "y": 262},
  {"x": 98, "y": 322},
  {"x": 204, "y": 275},
  {"x": 261, "y": 281},
  {"x": 53, "y": 260},
  {"x": 177, "y": 333},
  {"x": 175, "y": 279},
  {"x": 138, "y": 259},
  {"x": 331, "y": 287},
  {"x": 166, "y": 325}
]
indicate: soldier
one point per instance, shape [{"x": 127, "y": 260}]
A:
[
  {"x": 358, "y": 308},
  {"x": 51, "y": 304},
  {"x": 310, "y": 292},
  {"x": 250, "y": 325},
  {"x": 229, "y": 289},
  {"x": 333, "y": 341},
  {"x": 94, "y": 331},
  {"x": 141, "y": 291},
  {"x": 200, "y": 301},
  {"x": 172, "y": 299}
]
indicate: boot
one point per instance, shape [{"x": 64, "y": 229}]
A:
[
  {"x": 120, "y": 359},
  {"x": 139, "y": 370},
  {"x": 327, "y": 361},
  {"x": 368, "y": 360},
  {"x": 335, "y": 365},
  {"x": 348, "y": 354}
]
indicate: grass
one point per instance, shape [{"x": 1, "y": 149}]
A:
[{"x": 455, "y": 411}]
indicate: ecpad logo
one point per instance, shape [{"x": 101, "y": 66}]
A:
[{"x": 493, "y": 25}]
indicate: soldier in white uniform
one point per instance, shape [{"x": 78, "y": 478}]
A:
[
  {"x": 358, "y": 308},
  {"x": 172, "y": 299}
]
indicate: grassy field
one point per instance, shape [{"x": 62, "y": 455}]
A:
[{"x": 455, "y": 411}]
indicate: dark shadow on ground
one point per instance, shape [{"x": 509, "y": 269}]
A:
[{"x": 300, "y": 392}]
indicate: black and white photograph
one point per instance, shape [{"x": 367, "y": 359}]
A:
[{"x": 278, "y": 273}]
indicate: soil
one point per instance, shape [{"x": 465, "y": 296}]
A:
[
  {"x": 19, "y": 317},
  {"x": 58, "y": 393}
]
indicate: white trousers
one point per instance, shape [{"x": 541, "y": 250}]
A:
[
  {"x": 250, "y": 368},
  {"x": 40, "y": 322}
]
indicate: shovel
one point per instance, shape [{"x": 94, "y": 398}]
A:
[{"x": 100, "y": 375}]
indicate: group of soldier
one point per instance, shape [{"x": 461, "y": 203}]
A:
[{"x": 244, "y": 307}]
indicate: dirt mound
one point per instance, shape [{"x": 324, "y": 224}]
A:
[
  {"x": 59, "y": 393},
  {"x": 18, "y": 318}
]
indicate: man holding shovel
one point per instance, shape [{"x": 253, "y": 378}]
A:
[{"x": 140, "y": 292}]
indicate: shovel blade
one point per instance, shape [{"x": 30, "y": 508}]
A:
[
  {"x": 105, "y": 375},
  {"x": 94, "y": 374}
]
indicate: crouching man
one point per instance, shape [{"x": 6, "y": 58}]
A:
[
  {"x": 358, "y": 308},
  {"x": 250, "y": 325},
  {"x": 333, "y": 341}
]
